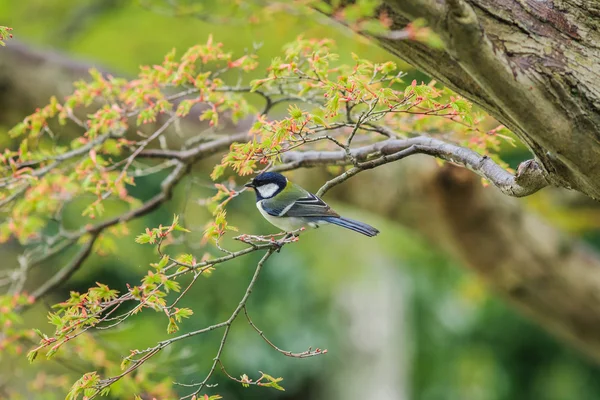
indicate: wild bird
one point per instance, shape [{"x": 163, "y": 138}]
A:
[{"x": 290, "y": 207}]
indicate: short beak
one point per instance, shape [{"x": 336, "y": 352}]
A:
[{"x": 249, "y": 184}]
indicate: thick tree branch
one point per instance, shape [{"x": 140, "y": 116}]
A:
[
  {"x": 527, "y": 64},
  {"x": 529, "y": 179},
  {"x": 200, "y": 151}
]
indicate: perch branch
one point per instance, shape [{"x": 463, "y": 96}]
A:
[{"x": 528, "y": 180}]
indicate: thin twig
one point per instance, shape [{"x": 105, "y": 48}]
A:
[
  {"x": 67, "y": 271},
  {"x": 364, "y": 166},
  {"x": 304, "y": 354},
  {"x": 230, "y": 321}
]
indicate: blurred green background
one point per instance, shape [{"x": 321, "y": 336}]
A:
[{"x": 399, "y": 319}]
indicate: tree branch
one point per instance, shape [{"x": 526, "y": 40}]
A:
[
  {"x": 230, "y": 320},
  {"x": 524, "y": 64},
  {"x": 529, "y": 178},
  {"x": 522, "y": 258},
  {"x": 304, "y": 354},
  {"x": 68, "y": 270},
  {"x": 202, "y": 150},
  {"x": 150, "y": 352}
]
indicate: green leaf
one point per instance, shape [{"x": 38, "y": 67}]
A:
[
  {"x": 143, "y": 238},
  {"x": 180, "y": 228},
  {"x": 23, "y": 149},
  {"x": 245, "y": 379},
  {"x": 273, "y": 382},
  {"x": 181, "y": 313},
  {"x": 126, "y": 361},
  {"x": 320, "y": 121},
  {"x": 175, "y": 224},
  {"x": 163, "y": 262},
  {"x": 185, "y": 259},
  {"x": 55, "y": 320},
  {"x": 51, "y": 352},
  {"x": 217, "y": 172},
  {"x": 172, "y": 327},
  {"x": 32, "y": 355},
  {"x": 256, "y": 83},
  {"x": 295, "y": 112},
  {"x": 172, "y": 285},
  {"x": 374, "y": 26},
  {"x": 184, "y": 107},
  {"x": 323, "y": 7}
]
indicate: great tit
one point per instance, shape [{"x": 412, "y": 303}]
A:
[{"x": 290, "y": 207}]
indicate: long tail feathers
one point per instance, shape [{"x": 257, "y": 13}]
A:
[{"x": 356, "y": 226}]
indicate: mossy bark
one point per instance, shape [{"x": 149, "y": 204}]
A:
[{"x": 534, "y": 65}]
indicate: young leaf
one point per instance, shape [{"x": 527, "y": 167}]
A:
[{"x": 143, "y": 238}]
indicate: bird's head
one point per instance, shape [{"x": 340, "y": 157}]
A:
[{"x": 267, "y": 184}]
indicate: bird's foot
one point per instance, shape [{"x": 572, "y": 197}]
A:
[
  {"x": 277, "y": 245},
  {"x": 288, "y": 236},
  {"x": 293, "y": 235}
]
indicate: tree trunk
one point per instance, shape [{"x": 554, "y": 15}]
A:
[{"x": 534, "y": 65}]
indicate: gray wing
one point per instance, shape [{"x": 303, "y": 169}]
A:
[{"x": 308, "y": 205}]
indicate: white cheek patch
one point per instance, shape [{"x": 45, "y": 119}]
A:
[{"x": 268, "y": 190}]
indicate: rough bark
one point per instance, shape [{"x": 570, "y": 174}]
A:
[{"x": 534, "y": 65}]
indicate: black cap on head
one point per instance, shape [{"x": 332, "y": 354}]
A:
[
  {"x": 268, "y": 177},
  {"x": 267, "y": 185}
]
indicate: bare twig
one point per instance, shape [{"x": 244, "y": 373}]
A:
[
  {"x": 232, "y": 318},
  {"x": 143, "y": 145},
  {"x": 367, "y": 165},
  {"x": 304, "y": 354}
]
